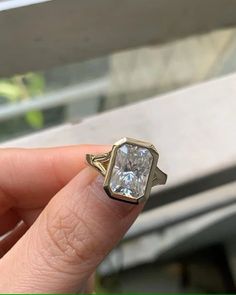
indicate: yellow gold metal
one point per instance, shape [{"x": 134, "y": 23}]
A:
[{"x": 104, "y": 164}]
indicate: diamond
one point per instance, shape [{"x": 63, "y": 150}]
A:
[{"x": 131, "y": 170}]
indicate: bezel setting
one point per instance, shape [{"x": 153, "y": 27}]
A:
[{"x": 113, "y": 154}]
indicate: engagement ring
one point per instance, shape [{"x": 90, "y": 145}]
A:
[{"x": 129, "y": 169}]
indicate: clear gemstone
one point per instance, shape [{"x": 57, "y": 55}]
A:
[{"x": 131, "y": 170}]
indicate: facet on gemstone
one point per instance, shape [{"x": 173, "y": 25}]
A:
[{"x": 131, "y": 170}]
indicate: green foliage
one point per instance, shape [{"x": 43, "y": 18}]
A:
[
  {"x": 35, "y": 84},
  {"x": 9, "y": 91},
  {"x": 21, "y": 88},
  {"x": 35, "y": 119}
]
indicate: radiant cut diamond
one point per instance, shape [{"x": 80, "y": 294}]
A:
[{"x": 131, "y": 170}]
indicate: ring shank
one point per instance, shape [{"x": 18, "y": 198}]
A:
[{"x": 159, "y": 177}]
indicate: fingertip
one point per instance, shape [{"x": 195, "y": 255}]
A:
[{"x": 119, "y": 208}]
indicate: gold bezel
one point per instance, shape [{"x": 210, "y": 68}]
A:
[{"x": 115, "y": 147}]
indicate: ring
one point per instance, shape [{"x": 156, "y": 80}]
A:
[{"x": 130, "y": 170}]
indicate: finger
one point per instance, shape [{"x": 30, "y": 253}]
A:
[
  {"x": 74, "y": 233},
  {"x": 12, "y": 237},
  {"x": 8, "y": 221},
  {"x": 30, "y": 177},
  {"x": 89, "y": 285},
  {"x": 29, "y": 215}
]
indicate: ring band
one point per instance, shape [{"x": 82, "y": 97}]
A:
[{"x": 130, "y": 170}]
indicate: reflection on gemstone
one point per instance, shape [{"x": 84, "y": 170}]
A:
[{"x": 131, "y": 170}]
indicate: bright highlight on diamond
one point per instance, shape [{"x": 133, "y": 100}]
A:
[{"x": 131, "y": 170}]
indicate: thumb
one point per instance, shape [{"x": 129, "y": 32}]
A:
[{"x": 73, "y": 234}]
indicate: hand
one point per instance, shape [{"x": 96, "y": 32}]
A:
[{"x": 60, "y": 224}]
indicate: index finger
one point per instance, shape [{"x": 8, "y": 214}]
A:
[{"x": 29, "y": 178}]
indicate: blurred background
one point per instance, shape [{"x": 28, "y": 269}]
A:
[
  {"x": 36, "y": 100},
  {"x": 192, "y": 43}
]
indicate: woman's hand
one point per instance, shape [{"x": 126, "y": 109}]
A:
[{"x": 58, "y": 223}]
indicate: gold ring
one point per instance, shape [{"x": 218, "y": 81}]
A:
[{"x": 130, "y": 170}]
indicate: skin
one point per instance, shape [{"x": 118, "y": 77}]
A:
[{"x": 56, "y": 221}]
